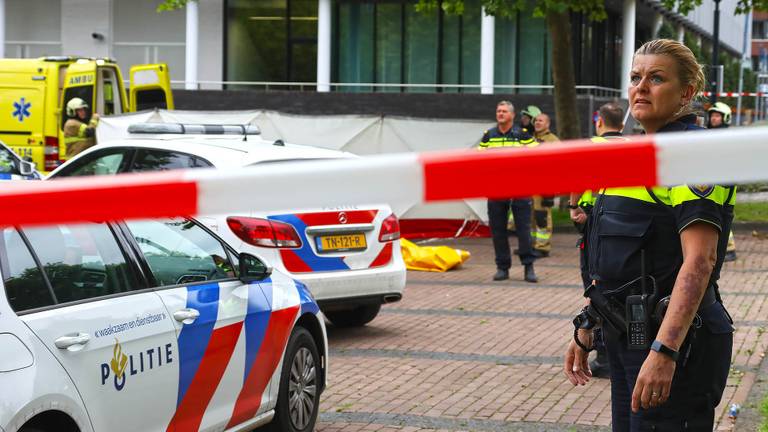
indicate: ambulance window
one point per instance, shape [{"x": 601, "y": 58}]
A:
[
  {"x": 149, "y": 99},
  {"x": 83, "y": 92},
  {"x": 179, "y": 252},
  {"x": 109, "y": 97},
  {"x": 23, "y": 280},
  {"x": 81, "y": 261}
]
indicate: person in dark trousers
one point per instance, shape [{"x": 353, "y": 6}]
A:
[
  {"x": 719, "y": 117},
  {"x": 609, "y": 123},
  {"x": 505, "y": 135},
  {"x": 654, "y": 257}
]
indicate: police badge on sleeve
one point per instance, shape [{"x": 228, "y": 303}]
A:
[{"x": 702, "y": 190}]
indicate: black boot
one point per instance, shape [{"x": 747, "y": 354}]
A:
[
  {"x": 501, "y": 274},
  {"x": 530, "y": 275}
]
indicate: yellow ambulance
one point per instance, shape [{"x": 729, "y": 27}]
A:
[{"x": 33, "y": 93}]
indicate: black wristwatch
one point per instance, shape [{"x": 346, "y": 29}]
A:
[
  {"x": 572, "y": 207},
  {"x": 663, "y": 349}
]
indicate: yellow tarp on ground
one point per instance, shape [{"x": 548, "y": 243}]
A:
[{"x": 431, "y": 258}]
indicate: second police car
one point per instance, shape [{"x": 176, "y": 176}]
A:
[
  {"x": 12, "y": 167},
  {"x": 148, "y": 326},
  {"x": 349, "y": 257}
]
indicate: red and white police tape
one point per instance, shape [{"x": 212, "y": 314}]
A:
[
  {"x": 735, "y": 94},
  {"x": 724, "y": 157}
]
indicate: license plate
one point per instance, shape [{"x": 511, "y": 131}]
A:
[{"x": 340, "y": 243}]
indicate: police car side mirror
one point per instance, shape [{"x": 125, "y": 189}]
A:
[
  {"x": 252, "y": 268},
  {"x": 26, "y": 168}
]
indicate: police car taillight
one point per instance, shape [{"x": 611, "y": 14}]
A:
[
  {"x": 264, "y": 232},
  {"x": 51, "y": 151},
  {"x": 390, "y": 229}
]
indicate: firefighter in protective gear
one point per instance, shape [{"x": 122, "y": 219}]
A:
[
  {"x": 719, "y": 116},
  {"x": 542, "y": 206},
  {"x": 79, "y": 130},
  {"x": 505, "y": 134},
  {"x": 526, "y": 126},
  {"x": 527, "y": 116}
]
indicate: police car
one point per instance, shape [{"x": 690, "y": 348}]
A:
[
  {"x": 349, "y": 257},
  {"x": 152, "y": 325},
  {"x": 12, "y": 167}
]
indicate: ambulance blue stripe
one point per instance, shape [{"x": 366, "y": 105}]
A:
[
  {"x": 305, "y": 253},
  {"x": 4, "y": 176},
  {"x": 308, "y": 304},
  {"x": 256, "y": 320},
  {"x": 194, "y": 337}
]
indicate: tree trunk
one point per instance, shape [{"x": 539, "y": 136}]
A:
[{"x": 567, "y": 115}]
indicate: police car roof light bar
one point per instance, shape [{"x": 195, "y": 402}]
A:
[{"x": 193, "y": 129}]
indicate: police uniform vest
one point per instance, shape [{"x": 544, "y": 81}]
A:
[
  {"x": 587, "y": 199},
  {"x": 631, "y": 223},
  {"x": 514, "y": 137}
]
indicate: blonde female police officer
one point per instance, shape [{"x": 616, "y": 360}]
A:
[{"x": 676, "y": 237}]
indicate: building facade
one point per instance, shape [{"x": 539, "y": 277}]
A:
[{"x": 350, "y": 45}]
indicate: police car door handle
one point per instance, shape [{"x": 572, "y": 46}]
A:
[
  {"x": 72, "y": 342},
  {"x": 186, "y": 316}
]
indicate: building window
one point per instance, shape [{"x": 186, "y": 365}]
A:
[
  {"x": 388, "y": 42},
  {"x": 272, "y": 41}
]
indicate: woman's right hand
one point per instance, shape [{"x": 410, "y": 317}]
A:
[{"x": 576, "y": 367}]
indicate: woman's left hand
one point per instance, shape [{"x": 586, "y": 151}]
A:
[{"x": 653, "y": 382}]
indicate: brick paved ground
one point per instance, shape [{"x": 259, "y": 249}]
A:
[{"x": 461, "y": 352}]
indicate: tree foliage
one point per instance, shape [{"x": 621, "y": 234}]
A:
[
  {"x": 685, "y": 6},
  {"x": 169, "y": 5}
]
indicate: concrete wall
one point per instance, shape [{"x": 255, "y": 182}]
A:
[
  {"x": 133, "y": 32},
  {"x": 79, "y": 20},
  {"x": 32, "y": 28},
  {"x": 731, "y": 25}
]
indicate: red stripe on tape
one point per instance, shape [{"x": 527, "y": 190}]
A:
[
  {"x": 128, "y": 196},
  {"x": 575, "y": 166}
]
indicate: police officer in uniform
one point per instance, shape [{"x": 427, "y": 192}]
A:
[
  {"x": 719, "y": 117},
  {"x": 654, "y": 256},
  {"x": 608, "y": 125},
  {"x": 506, "y": 135}
]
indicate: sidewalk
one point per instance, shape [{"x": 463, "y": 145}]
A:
[{"x": 461, "y": 352}]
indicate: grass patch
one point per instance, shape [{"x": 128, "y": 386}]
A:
[
  {"x": 751, "y": 211},
  {"x": 764, "y": 412}
]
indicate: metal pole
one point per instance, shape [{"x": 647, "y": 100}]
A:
[
  {"x": 2, "y": 28},
  {"x": 715, "y": 53},
  {"x": 324, "y": 45},
  {"x": 487, "y": 31},
  {"x": 628, "y": 45},
  {"x": 747, "y": 20},
  {"x": 190, "y": 72}
]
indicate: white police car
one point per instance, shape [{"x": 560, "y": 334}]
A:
[
  {"x": 12, "y": 167},
  {"x": 349, "y": 257},
  {"x": 148, "y": 326}
]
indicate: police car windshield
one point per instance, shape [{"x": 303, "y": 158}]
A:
[{"x": 7, "y": 162}]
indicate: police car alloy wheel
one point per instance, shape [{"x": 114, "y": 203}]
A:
[{"x": 298, "y": 402}]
